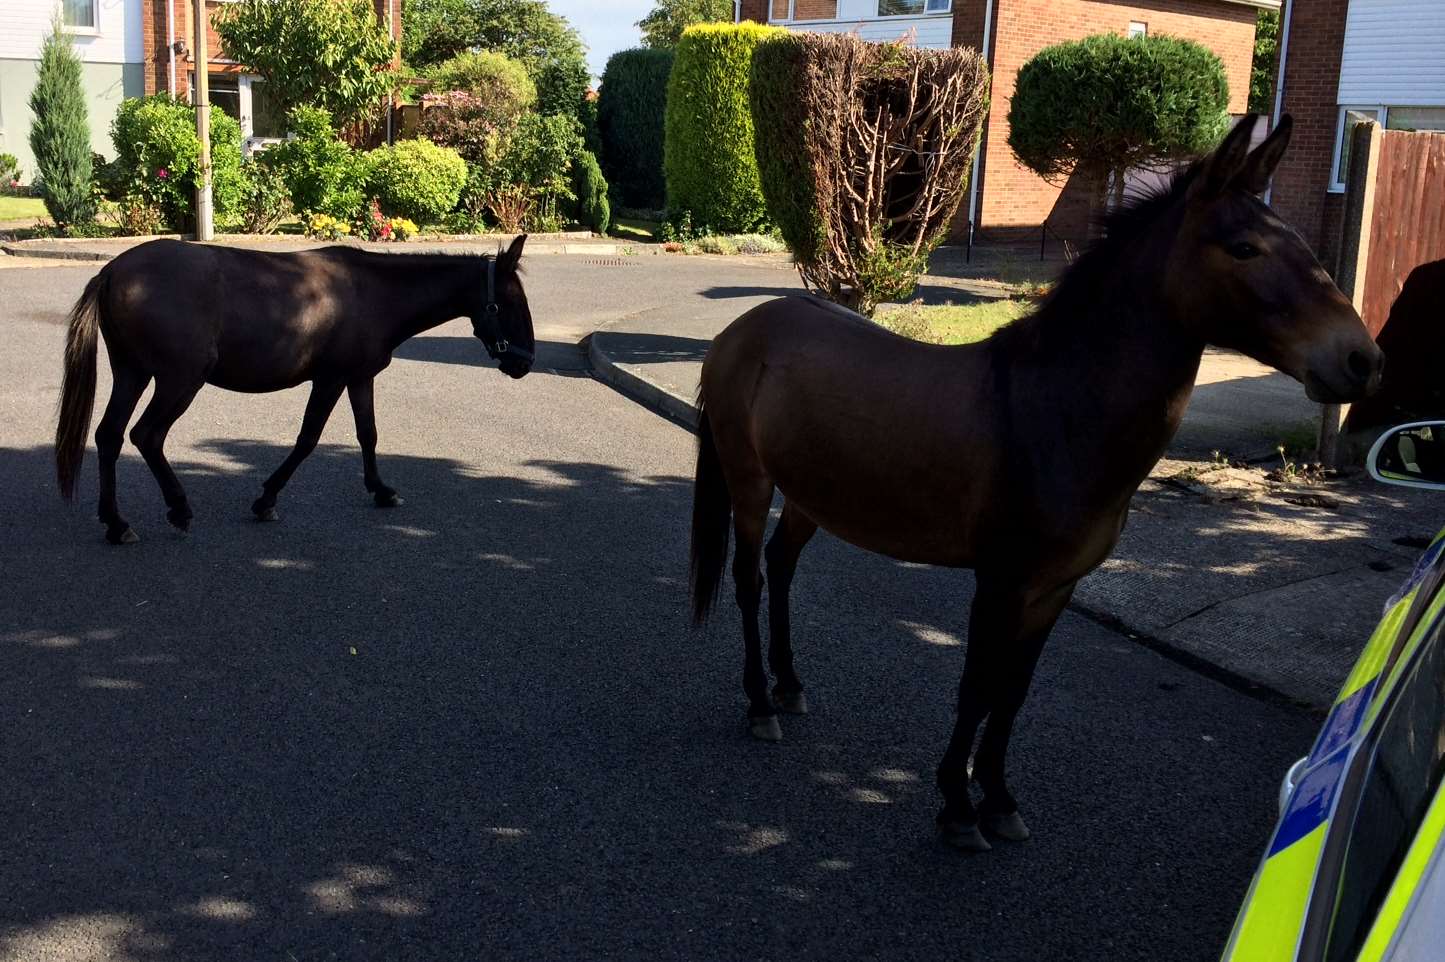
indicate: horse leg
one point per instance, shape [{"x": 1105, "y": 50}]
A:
[
  {"x": 127, "y": 387},
  {"x": 750, "y": 516},
  {"x": 324, "y": 395},
  {"x": 1006, "y": 632},
  {"x": 169, "y": 402},
  {"x": 791, "y": 536},
  {"x": 363, "y": 408},
  {"x": 999, "y": 810}
]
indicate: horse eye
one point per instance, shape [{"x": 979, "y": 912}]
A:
[{"x": 1243, "y": 251}]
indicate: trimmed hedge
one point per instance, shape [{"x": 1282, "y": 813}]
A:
[
  {"x": 590, "y": 188},
  {"x": 417, "y": 179},
  {"x": 631, "y": 115},
  {"x": 1107, "y": 103},
  {"x": 710, "y": 167},
  {"x": 864, "y": 151}
]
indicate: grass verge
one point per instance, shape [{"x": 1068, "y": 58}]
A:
[
  {"x": 20, "y": 208},
  {"x": 952, "y": 323}
]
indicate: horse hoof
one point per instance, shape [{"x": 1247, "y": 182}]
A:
[
  {"x": 392, "y": 500},
  {"x": 182, "y": 524},
  {"x": 1010, "y": 827},
  {"x": 766, "y": 729},
  {"x": 791, "y": 703},
  {"x": 965, "y": 838},
  {"x": 128, "y": 536},
  {"x": 266, "y": 514}
]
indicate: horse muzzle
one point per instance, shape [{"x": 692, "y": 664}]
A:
[{"x": 513, "y": 360}]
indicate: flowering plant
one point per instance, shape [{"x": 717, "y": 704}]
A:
[{"x": 324, "y": 226}]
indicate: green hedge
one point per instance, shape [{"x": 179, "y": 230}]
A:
[
  {"x": 323, "y": 174},
  {"x": 1108, "y": 103},
  {"x": 631, "y": 111},
  {"x": 158, "y": 158},
  {"x": 711, "y": 170},
  {"x": 590, "y": 189},
  {"x": 785, "y": 163},
  {"x": 417, "y": 179}
]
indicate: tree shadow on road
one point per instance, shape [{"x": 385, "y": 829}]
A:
[{"x": 478, "y": 727}]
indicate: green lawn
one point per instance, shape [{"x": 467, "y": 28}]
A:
[
  {"x": 952, "y": 324},
  {"x": 642, "y": 231},
  {"x": 17, "y": 208}
]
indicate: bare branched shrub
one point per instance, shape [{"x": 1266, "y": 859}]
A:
[{"x": 865, "y": 151}]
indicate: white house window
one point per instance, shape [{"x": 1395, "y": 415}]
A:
[
  {"x": 912, "y": 8},
  {"x": 80, "y": 15},
  {"x": 1391, "y": 118},
  {"x": 1138, "y": 28}
]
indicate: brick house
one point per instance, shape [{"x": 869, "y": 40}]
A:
[
  {"x": 168, "y": 45},
  {"x": 1343, "y": 61},
  {"x": 1006, "y": 199}
]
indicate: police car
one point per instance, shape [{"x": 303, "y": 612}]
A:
[{"x": 1355, "y": 870}]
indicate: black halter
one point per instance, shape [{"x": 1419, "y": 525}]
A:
[{"x": 489, "y": 326}]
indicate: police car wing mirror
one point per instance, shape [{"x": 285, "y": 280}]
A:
[{"x": 1411, "y": 455}]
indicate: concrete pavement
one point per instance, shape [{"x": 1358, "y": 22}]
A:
[{"x": 477, "y": 726}]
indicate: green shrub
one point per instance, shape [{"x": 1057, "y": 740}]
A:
[
  {"x": 631, "y": 111},
  {"x": 158, "y": 158},
  {"x": 60, "y": 133},
  {"x": 590, "y": 188},
  {"x": 1104, "y": 104},
  {"x": 322, "y": 174},
  {"x": 498, "y": 79},
  {"x": 417, "y": 179},
  {"x": 709, "y": 163},
  {"x": 831, "y": 111},
  {"x": 265, "y": 199},
  {"x": 536, "y": 160},
  {"x": 9, "y": 170}
]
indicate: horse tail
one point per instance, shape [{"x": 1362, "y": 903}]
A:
[
  {"x": 77, "y": 396},
  {"x": 711, "y": 513}
]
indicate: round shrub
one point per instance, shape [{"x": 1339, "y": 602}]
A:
[
  {"x": 710, "y": 167},
  {"x": 590, "y": 188},
  {"x": 322, "y": 174},
  {"x": 417, "y": 179},
  {"x": 631, "y": 109},
  {"x": 1104, "y": 104},
  {"x": 158, "y": 158},
  {"x": 500, "y": 89}
]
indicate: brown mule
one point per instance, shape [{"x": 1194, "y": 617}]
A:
[
  {"x": 187, "y": 315},
  {"x": 1016, "y": 457}
]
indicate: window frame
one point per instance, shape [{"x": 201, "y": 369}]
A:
[
  {"x": 1337, "y": 175},
  {"x": 1142, "y": 31},
  {"x": 878, "y": 13},
  {"x": 93, "y": 30}
]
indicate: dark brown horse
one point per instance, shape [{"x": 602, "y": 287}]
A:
[
  {"x": 186, "y": 315},
  {"x": 1016, "y": 457}
]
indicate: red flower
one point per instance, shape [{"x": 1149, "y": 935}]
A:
[{"x": 162, "y": 173}]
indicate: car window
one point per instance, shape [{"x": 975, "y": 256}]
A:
[{"x": 1404, "y": 772}]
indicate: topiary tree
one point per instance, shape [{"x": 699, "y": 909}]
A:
[
  {"x": 865, "y": 151},
  {"x": 417, "y": 179},
  {"x": 631, "y": 115},
  {"x": 708, "y": 159},
  {"x": 590, "y": 189},
  {"x": 331, "y": 54},
  {"x": 60, "y": 134},
  {"x": 1105, "y": 104}
]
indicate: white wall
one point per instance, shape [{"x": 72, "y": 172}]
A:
[
  {"x": 25, "y": 23},
  {"x": 1394, "y": 53}
]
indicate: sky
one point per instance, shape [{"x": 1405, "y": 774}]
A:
[{"x": 606, "y": 26}]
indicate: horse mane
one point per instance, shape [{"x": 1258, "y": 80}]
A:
[{"x": 1119, "y": 228}]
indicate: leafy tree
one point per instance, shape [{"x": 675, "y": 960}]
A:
[
  {"x": 331, "y": 54},
  {"x": 663, "y": 27},
  {"x": 1261, "y": 74},
  {"x": 60, "y": 133},
  {"x": 525, "y": 30},
  {"x": 631, "y": 108},
  {"x": 1105, "y": 104}
]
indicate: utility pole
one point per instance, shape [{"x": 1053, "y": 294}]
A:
[{"x": 201, "y": 94}]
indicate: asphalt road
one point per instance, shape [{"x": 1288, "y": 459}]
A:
[{"x": 478, "y": 727}]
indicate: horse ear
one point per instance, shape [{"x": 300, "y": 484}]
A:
[
  {"x": 1260, "y": 165},
  {"x": 1228, "y": 159},
  {"x": 512, "y": 256}
]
